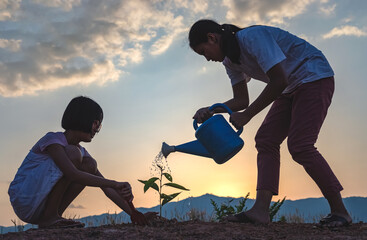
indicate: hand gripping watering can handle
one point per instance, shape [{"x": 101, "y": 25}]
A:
[{"x": 223, "y": 106}]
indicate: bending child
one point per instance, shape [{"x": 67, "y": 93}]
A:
[
  {"x": 58, "y": 168},
  {"x": 299, "y": 84}
]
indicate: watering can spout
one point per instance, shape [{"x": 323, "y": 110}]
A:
[
  {"x": 167, "y": 149},
  {"x": 193, "y": 147}
]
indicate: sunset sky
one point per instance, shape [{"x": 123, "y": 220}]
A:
[{"x": 133, "y": 58}]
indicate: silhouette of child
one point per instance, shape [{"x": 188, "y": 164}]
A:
[
  {"x": 300, "y": 84},
  {"x": 58, "y": 168}
]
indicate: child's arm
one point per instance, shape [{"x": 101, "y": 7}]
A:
[
  {"x": 240, "y": 98},
  {"x": 61, "y": 159},
  {"x": 278, "y": 82},
  {"x": 116, "y": 191},
  {"x": 125, "y": 204}
]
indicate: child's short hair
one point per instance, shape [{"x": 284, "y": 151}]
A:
[{"x": 80, "y": 114}]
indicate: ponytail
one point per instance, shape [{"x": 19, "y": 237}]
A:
[{"x": 229, "y": 45}]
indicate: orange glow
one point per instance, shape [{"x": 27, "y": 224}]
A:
[{"x": 228, "y": 190}]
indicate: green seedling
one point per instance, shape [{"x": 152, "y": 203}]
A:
[
  {"x": 151, "y": 183},
  {"x": 274, "y": 208},
  {"x": 226, "y": 209}
]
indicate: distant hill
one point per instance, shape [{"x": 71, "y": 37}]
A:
[{"x": 309, "y": 210}]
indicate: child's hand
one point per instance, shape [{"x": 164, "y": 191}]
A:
[
  {"x": 239, "y": 119},
  {"x": 138, "y": 218},
  {"x": 150, "y": 215},
  {"x": 203, "y": 114},
  {"x": 124, "y": 189}
]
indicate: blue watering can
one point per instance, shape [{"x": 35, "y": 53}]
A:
[{"x": 215, "y": 139}]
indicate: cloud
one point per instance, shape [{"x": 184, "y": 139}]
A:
[
  {"x": 163, "y": 43},
  {"x": 264, "y": 12},
  {"x": 48, "y": 44},
  {"x": 328, "y": 10},
  {"x": 197, "y": 6},
  {"x": 346, "y": 30},
  {"x": 305, "y": 37},
  {"x": 347, "y": 20},
  {"x": 7, "y": 7},
  {"x": 10, "y": 44},
  {"x": 66, "y": 5},
  {"x": 76, "y": 206}
]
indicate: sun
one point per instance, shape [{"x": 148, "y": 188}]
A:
[{"x": 229, "y": 190}]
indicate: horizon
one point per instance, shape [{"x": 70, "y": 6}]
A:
[
  {"x": 177, "y": 201},
  {"x": 133, "y": 58}
]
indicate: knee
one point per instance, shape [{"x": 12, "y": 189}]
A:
[
  {"x": 260, "y": 140},
  {"x": 298, "y": 149},
  {"x": 265, "y": 143},
  {"x": 89, "y": 165},
  {"x": 293, "y": 148},
  {"x": 74, "y": 154}
]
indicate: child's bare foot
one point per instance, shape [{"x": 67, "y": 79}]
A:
[
  {"x": 334, "y": 220},
  {"x": 59, "y": 222},
  {"x": 259, "y": 216},
  {"x": 44, "y": 222},
  {"x": 150, "y": 215}
]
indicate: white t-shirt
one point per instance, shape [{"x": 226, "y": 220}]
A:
[
  {"x": 262, "y": 47},
  {"x": 36, "y": 177}
]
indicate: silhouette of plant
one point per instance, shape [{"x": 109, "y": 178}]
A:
[
  {"x": 151, "y": 183},
  {"x": 226, "y": 209},
  {"x": 274, "y": 208}
]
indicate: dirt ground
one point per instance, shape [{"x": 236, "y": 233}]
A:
[{"x": 197, "y": 230}]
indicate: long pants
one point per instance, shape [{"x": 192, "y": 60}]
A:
[{"x": 299, "y": 116}]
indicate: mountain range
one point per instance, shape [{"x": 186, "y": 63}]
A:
[{"x": 308, "y": 210}]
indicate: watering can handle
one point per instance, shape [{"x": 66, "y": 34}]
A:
[{"x": 219, "y": 105}]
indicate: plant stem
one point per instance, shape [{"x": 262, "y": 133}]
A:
[{"x": 160, "y": 192}]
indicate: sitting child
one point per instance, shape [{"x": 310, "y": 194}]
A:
[{"x": 57, "y": 169}]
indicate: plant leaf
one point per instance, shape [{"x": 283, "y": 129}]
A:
[
  {"x": 175, "y": 185},
  {"x": 168, "y": 176},
  {"x": 168, "y": 198},
  {"x": 143, "y": 181},
  {"x": 155, "y": 187},
  {"x": 151, "y": 183},
  {"x": 153, "y": 179},
  {"x": 163, "y": 196}
]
